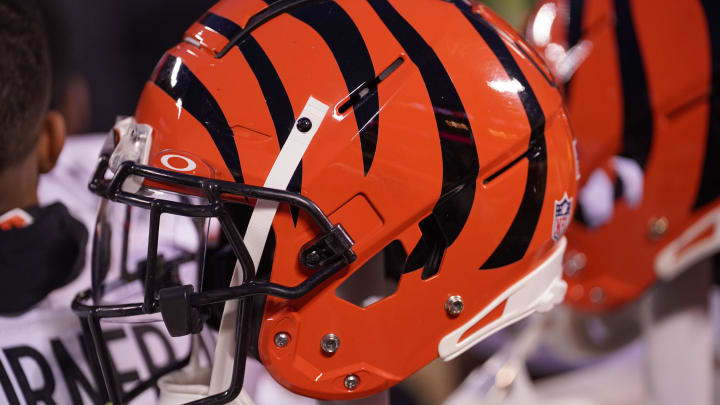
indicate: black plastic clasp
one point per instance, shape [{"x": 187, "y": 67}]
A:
[
  {"x": 179, "y": 316},
  {"x": 327, "y": 249}
]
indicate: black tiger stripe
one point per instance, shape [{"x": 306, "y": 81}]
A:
[
  {"x": 709, "y": 189},
  {"x": 577, "y": 8},
  {"x": 576, "y": 22},
  {"x": 459, "y": 152},
  {"x": 351, "y": 54},
  {"x": 184, "y": 87},
  {"x": 516, "y": 241},
  {"x": 273, "y": 90},
  {"x": 276, "y": 97},
  {"x": 638, "y": 116}
]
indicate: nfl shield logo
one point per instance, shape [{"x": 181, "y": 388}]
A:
[{"x": 561, "y": 220}]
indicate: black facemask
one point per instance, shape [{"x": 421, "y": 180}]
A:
[{"x": 40, "y": 258}]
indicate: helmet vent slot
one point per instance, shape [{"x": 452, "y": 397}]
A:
[
  {"x": 530, "y": 153},
  {"x": 369, "y": 87},
  {"x": 377, "y": 279}
]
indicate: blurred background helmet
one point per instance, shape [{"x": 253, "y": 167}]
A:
[
  {"x": 641, "y": 85},
  {"x": 393, "y": 189}
]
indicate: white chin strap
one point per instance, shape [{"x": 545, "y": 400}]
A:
[
  {"x": 181, "y": 387},
  {"x": 191, "y": 383},
  {"x": 257, "y": 232}
]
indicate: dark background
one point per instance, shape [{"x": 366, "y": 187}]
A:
[{"x": 104, "y": 51}]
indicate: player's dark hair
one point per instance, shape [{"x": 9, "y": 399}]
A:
[{"x": 25, "y": 78}]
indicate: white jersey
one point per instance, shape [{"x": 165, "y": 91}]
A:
[
  {"x": 41, "y": 355},
  {"x": 42, "y": 359},
  {"x": 41, "y": 351}
]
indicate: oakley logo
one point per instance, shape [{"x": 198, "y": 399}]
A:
[{"x": 178, "y": 163}]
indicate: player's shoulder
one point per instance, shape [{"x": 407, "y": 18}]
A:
[{"x": 67, "y": 184}]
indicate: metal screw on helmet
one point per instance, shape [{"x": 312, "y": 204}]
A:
[
  {"x": 658, "y": 227},
  {"x": 313, "y": 258},
  {"x": 351, "y": 382},
  {"x": 304, "y": 124},
  {"x": 330, "y": 343},
  {"x": 282, "y": 339},
  {"x": 454, "y": 305}
]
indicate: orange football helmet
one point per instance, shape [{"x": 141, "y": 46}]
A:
[
  {"x": 641, "y": 83},
  {"x": 356, "y": 133}
]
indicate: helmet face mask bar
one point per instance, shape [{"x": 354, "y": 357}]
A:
[
  {"x": 456, "y": 160},
  {"x": 179, "y": 305}
]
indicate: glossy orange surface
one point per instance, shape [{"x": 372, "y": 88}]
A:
[
  {"x": 385, "y": 342},
  {"x": 674, "y": 45}
]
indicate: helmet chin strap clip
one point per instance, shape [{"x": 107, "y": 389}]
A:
[
  {"x": 180, "y": 317},
  {"x": 329, "y": 248},
  {"x": 180, "y": 313}
]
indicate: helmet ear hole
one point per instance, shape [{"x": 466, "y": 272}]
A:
[{"x": 377, "y": 279}]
